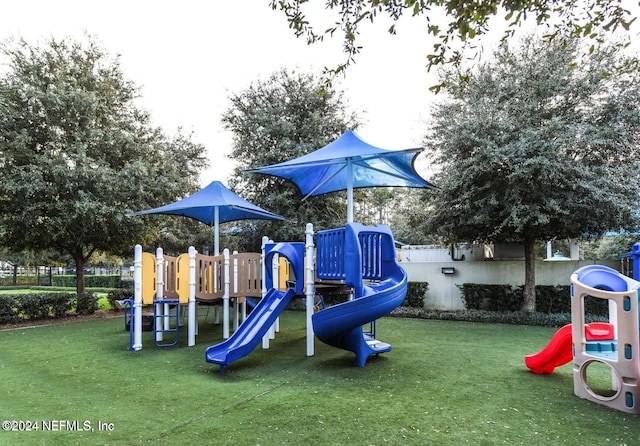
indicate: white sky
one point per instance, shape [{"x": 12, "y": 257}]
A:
[{"x": 189, "y": 56}]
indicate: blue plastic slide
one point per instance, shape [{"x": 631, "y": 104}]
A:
[
  {"x": 369, "y": 253},
  {"x": 251, "y": 331},
  {"x": 265, "y": 313}
]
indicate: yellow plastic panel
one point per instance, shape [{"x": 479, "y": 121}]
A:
[
  {"x": 182, "y": 278},
  {"x": 149, "y": 278}
]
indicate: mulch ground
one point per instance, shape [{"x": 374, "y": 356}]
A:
[{"x": 63, "y": 320}]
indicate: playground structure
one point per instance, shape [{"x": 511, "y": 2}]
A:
[
  {"x": 358, "y": 258},
  {"x": 612, "y": 346},
  {"x": 172, "y": 285}
]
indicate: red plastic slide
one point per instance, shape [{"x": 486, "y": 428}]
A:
[{"x": 558, "y": 352}]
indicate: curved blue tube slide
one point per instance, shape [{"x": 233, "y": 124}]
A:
[{"x": 370, "y": 254}]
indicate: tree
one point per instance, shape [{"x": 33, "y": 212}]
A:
[
  {"x": 535, "y": 145},
  {"x": 608, "y": 247},
  {"x": 174, "y": 234},
  {"x": 283, "y": 117},
  {"x": 76, "y": 153},
  {"x": 406, "y": 217},
  {"x": 468, "y": 20}
]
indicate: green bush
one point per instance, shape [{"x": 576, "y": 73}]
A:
[
  {"x": 60, "y": 303},
  {"x": 416, "y": 293},
  {"x": 495, "y": 317},
  {"x": 8, "y": 310},
  {"x": 24, "y": 280},
  {"x": 549, "y": 299},
  {"x": 64, "y": 281},
  {"x": 43, "y": 306},
  {"x": 490, "y": 297},
  {"x": 552, "y": 299},
  {"x": 31, "y": 307},
  {"x": 86, "y": 303},
  {"x": 103, "y": 281},
  {"x": 14, "y": 308},
  {"x": 119, "y": 294},
  {"x": 596, "y": 306}
]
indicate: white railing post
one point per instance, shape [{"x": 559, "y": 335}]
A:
[
  {"x": 236, "y": 307},
  {"x": 164, "y": 310},
  {"x": 265, "y": 240},
  {"x": 193, "y": 320},
  {"x": 225, "y": 297},
  {"x": 136, "y": 312},
  {"x": 276, "y": 284},
  {"x": 310, "y": 282}
]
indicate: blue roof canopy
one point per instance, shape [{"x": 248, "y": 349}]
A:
[
  {"x": 348, "y": 163},
  {"x": 213, "y": 205}
]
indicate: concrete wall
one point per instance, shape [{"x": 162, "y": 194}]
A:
[{"x": 443, "y": 293}]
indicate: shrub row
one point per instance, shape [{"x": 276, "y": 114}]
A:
[
  {"x": 416, "y": 293},
  {"x": 549, "y": 299},
  {"x": 20, "y": 280},
  {"x": 495, "y": 317},
  {"x": 69, "y": 281},
  {"x": 18, "y": 307}
]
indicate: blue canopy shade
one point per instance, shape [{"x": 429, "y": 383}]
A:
[
  {"x": 213, "y": 205},
  {"x": 349, "y": 163}
]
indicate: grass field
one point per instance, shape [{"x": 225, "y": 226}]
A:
[{"x": 444, "y": 383}]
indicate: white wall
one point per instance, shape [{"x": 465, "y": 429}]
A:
[
  {"x": 443, "y": 293},
  {"x": 439, "y": 253}
]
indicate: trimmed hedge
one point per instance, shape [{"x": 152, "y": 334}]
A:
[
  {"x": 416, "y": 293},
  {"x": 17, "y": 307},
  {"x": 8, "y": 310},
  {"x": 549, "y": 299},
  {"x": 69, "y": 281},
  {"x": 490, "y": 297},
  {"x": 495, "y": 317},
  {"x": 86, "y": 303}
]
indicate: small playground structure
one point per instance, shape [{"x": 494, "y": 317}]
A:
[
  {"x": 357, "y": 258},
  {"x": 611, "y": 347},
  {"x": 172, "y": 285}
]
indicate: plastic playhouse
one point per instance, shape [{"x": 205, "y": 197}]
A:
[
  {"x": 359, "y": 259},
  {"x": 594, "y": 347}
]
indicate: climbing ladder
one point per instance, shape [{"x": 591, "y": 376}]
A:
[{"x": 162, "y": 321}]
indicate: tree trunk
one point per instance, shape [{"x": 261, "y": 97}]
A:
[
  {"x": 529, "y": 276},
  {"x": 79, "y": 259}
]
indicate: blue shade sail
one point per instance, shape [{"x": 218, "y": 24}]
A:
[
  {"x": 213, "y": 205},
  {"x": 349, "y": 163}
]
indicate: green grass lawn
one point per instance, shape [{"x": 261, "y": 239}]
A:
[{"x": 444, "y": 383}]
